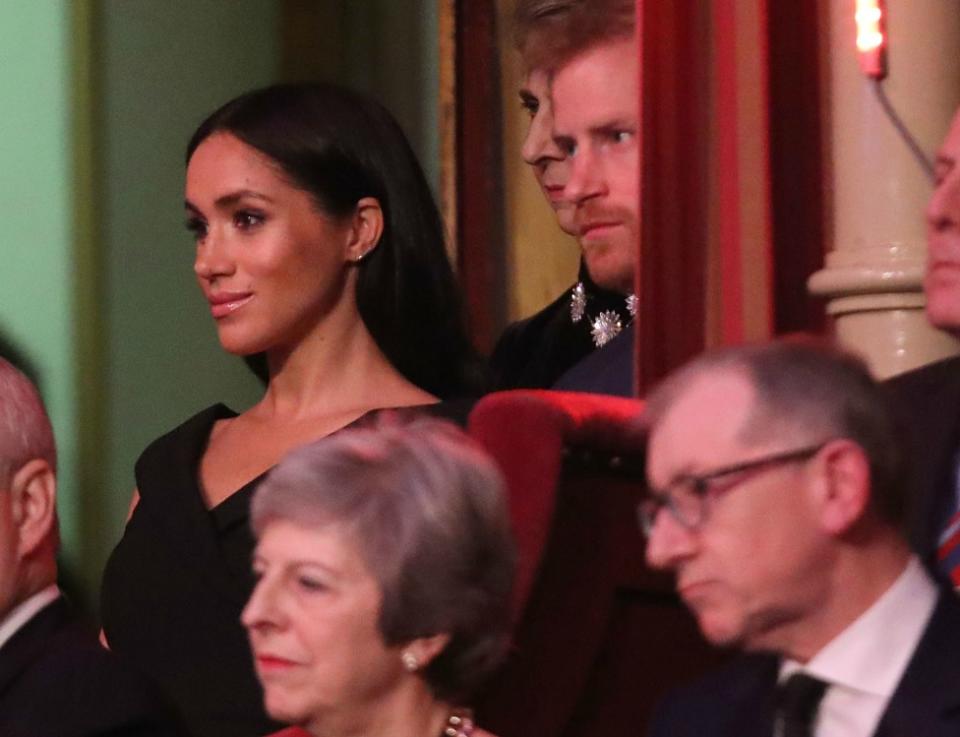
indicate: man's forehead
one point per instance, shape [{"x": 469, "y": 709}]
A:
[
  {"x": 703, "y": 422},
  {"x": 598, "y": 87}
]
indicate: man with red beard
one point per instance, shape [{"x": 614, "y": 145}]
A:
[
  {"x": 581, "y": 89},
  {"x": 929, "y": 396}
]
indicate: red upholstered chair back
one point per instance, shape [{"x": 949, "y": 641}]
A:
[{"x": 599, "y": 637}]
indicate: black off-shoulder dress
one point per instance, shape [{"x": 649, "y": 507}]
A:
[{"x": 175, "y": 585}]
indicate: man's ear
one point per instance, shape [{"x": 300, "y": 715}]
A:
[
  {"x": 33, "y": 498},
  {"x": 366, "y": 227},
  {"x": 845, "y": 492}
]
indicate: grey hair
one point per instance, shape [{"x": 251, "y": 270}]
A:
[
  {"x": 25, "y": 431},
  {"x": 426, "y": 509},
  {"x": 811, "y": 389}
]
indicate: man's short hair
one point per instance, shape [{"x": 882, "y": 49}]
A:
[
  {"x": 813, "y": 389},
  {"x": 550, "y": 32},
  {"x": 25, "y": 431}
]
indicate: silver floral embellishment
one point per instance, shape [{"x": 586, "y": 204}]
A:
[
  {"x": 578, "y": 302},
  {"x": 606, "y": 327},
  {"x": 633, "y": 304}
]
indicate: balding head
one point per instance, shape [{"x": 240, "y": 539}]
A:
[
  {"x": 28, "y": 520},
  {"x": 25, "y": 431}
]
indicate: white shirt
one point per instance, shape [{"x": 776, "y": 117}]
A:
[
  {"x": 864, "y": 664},
  {"x": 25, "y": 611}
]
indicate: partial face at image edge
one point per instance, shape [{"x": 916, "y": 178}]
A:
[{"x": 942, "y": 280}]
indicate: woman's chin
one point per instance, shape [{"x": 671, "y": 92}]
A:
[
  {"x": 281, "y": 709},
  {"x": 241, "y": 348}
]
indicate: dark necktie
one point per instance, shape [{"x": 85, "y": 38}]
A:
[{"x": 798, "y": 699}]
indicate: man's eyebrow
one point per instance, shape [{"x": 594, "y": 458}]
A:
[
  {"x": 616, "y": 124},
  {"x": 602, "y": 128},
  {"x": 563, "y": 140}
]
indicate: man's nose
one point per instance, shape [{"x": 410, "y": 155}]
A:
[
  {"x": 586, "y": 177},
  {"x": 943, "y": 211},
  {"x": 669, "y": 542}
]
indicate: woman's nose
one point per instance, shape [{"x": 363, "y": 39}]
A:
[
  {"x": 212, "y": 258},
  {"x": 538, "y": 145},
  {"x": 261, "y": 608}
]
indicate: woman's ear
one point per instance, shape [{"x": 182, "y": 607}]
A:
[
  {"x": 845, "y": 492},
  {"x": 33, "y": 490},
  {"x": 366, "y": 227},
  {"x": 423, "y": 650}
]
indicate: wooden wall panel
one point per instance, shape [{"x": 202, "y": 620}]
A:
[
  {"x": 479, "y": 172},
  {"x": 796, "y": 162},
  {"x": 674, "y": 207}
]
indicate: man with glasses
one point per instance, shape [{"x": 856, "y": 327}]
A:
[{"x": 775, "y": 496}]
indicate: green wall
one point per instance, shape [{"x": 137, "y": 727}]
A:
[
  {"x": 162, "y": 66},
  {"x": 96, "y": 281},
  {"x": 397, "y": 62},
  {"x": 36, "y": 256}
]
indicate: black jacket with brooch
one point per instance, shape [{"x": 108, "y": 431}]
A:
[{"x": 534, "y": 353}]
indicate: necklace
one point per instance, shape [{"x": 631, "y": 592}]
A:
[
  {"x": 608, "y": 324},
  {"x": 459, "y": 724}
]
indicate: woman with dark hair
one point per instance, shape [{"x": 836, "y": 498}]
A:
[
  {"x": 385, "y": 565},
  {"x": 321, "y": 254}
]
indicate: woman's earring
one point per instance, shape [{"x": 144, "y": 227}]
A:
[
  {"x": 410, "y": 661},
  {"x": 363, "y": 255}
]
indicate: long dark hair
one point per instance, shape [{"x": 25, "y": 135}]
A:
[{"x": 340, "y": 147}]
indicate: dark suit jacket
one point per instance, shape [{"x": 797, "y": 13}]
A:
[
  {"x": 56, "y": 681},
  {"x": 608, "y": 370},
  {"x": 535, "y": 352},
  {"x": 738, "y": 701},
  {"x": 928, "y": 402}
]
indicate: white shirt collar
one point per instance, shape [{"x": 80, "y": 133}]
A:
[
  {"x": 872, "y": 653},
  {"x": 25, "y": 611}
]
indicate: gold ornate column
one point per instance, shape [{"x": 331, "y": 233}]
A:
[{"x": 876, "y": 191}]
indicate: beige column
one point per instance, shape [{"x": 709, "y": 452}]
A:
[{"x": 876, "y": 191}]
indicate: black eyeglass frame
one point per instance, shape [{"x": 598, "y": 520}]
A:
[{"x": 696, "y": 486}]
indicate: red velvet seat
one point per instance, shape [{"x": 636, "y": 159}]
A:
[{"x": 599, "y": 637}]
